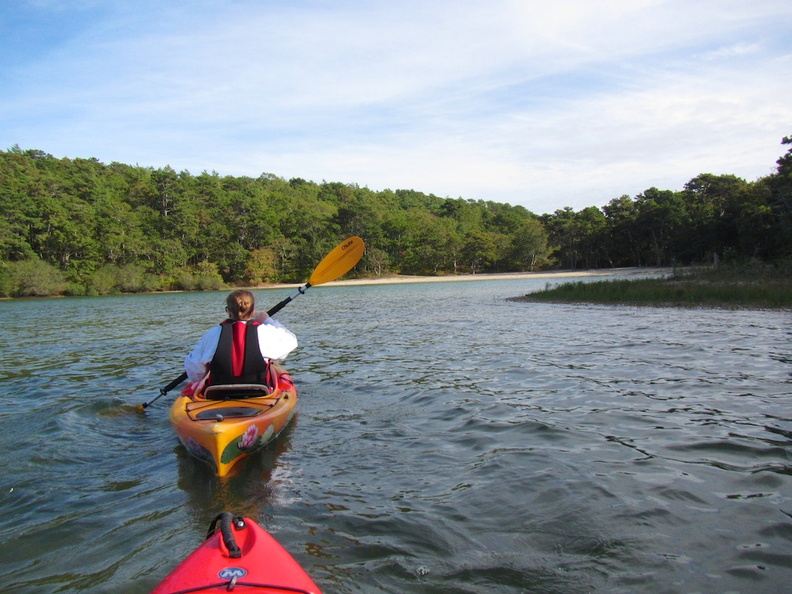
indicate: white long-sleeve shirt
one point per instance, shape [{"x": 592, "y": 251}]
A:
[{"x": 275, "y": 342}]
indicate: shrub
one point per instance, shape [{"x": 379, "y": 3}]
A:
[
  {"x": 34, "y": 278},
  {"x": 105, "y": 280},
  {"x": 204, "y": 277},
  {"x": 135, "y": 279},
  {"x": 261, "y": 266},
  {"x": 207, "y": 277},
  {"x": 6, "y": 285}
]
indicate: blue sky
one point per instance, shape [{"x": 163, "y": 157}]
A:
[{"x": 543, "y": 104}]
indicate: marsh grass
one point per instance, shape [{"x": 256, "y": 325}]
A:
[{"x": 747, "y": 286}]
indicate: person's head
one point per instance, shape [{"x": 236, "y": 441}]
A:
[{"x": 240, "y": 304}]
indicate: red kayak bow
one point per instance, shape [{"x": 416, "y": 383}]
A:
[{"x": 241, "y": 557}]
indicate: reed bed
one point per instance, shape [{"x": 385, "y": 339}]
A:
[{"x": 724, "y": 287}]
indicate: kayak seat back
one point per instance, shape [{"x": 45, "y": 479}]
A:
[{"x": 236, "y": 391}]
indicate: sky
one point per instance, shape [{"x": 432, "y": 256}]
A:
[{"x": 548, "y": 105}]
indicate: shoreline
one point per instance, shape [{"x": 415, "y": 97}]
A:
[{"x": 404, "y": 279}]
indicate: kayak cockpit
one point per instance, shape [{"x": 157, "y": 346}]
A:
[
  {"x": 208, "y": 410},
  {"x": 236, "y": 391},
  {"x": 226, "y": 412}
]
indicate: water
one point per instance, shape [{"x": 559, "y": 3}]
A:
[{"x": 448, "y": 440}]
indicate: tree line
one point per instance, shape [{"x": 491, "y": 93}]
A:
[{"x": 78, "y": 226}]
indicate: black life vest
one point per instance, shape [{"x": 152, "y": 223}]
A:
[{"x": 253, "y": 366}]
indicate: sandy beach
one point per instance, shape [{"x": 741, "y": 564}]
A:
[{"x": 505, "y": 276}]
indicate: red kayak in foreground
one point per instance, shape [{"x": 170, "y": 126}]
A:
[{"x": 240, "y": 557}]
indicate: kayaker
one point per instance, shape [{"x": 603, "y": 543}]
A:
[{"x": 237, "y": 350}]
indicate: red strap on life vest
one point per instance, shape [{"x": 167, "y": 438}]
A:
[{"x": 238, "y": 348}]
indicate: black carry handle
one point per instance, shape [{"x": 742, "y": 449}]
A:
[{"x": 226, "y": 518}]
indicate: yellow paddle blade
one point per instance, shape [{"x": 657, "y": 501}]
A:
[{"x": 338, "y": 262}]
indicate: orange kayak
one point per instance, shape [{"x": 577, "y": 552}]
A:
[
  {"x": 241, "y": 557},
  {"x": 223, "y": 424}
]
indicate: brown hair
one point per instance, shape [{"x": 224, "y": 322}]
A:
[{"x": 240, "y": 304}]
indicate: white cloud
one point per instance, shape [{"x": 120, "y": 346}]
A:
[
  {"x": 548, "y": 105},
  {"x": 733, "y": 51}
]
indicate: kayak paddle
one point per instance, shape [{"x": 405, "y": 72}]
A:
[{"x": 338, "y": 262}]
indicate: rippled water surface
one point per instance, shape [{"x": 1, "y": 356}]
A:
[{"x": 447, "y": 440}]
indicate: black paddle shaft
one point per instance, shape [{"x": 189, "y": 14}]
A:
[
  {"x": 166, "y": 389},
  {"x": 301, "y": 291},
  {"x": 173, "y": 384}
]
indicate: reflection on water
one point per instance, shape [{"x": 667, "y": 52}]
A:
[
  {"x": 247, "y": 490},
  {"x": 447, "y": 440}
]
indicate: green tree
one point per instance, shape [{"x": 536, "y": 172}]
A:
[
  {"x": 565, "y": 235},
  {"x": 712, "y": 203},
  {"x": 97, "y": 225},
  {"x": 262, "y": 266},
  {"x": 622, "y": 243},
  {"x": 780, "y": 185},
  {"x": 119, "y": 233},
  {"x": 480, "y": 250},
  {"x": 593, "y": 232},
  {"x": 529, "y": 245},
  {"x": 661, "y": 217},
  {"x": 426, "y": 245}
]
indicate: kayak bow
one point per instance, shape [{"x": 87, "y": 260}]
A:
[{"x": 240, "y": 557}]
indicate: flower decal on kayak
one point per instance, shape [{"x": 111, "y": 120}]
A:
[
  {"x": 249, "y": 438},
  {"x": 196, "y": 449}
]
